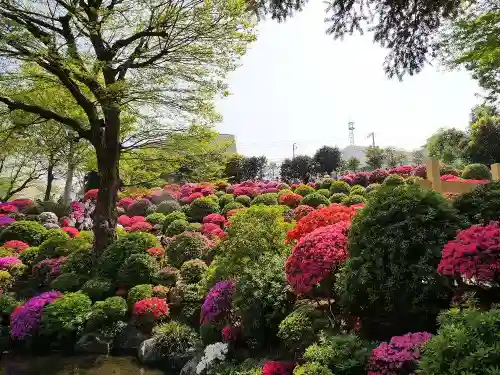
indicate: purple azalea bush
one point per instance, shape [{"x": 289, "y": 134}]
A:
[
  {"x": 6, "y": 220},
  {"x": 217, "y": 304},
  {"x": 26, "y": 319},
  {"x": 399, "y": 356},
  {"x": 7, "y": 262}
]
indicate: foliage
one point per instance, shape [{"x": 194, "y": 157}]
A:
[
  {"x": 268, "y": 199},
  {"x": 98, "y": 288},
  {"x": 358, "y": 190},
  {"x": 137, "y": 269},
  {"x": 327, "y": 159},
  {"x": 202, "y": 207},
  {"x": 30, "y": 232},
  {"x": 228, "y": 198},
  {"x": 393, "y": 180},
  {"x": 174, "y": 339},
  {"x": 476, "y": 172},
  {"x": 29, "y": 256},
  {"x": 340, "y": 187},
  {"x": 139, "y": 292},
  {"x": 243, "y": 199},
  {"x": 66, "y": 316},
  {"x": 167, "y": 276},
  {"x": 394, "y": 244},
  {"x": 325, "y": 192},
  {"x": 337, "y": 197},
  {"x": 192, "y": 271},
  {"x": 298, "y": 329},
  {"x": 484, "y": 135},
  {"x": 7, "y": 306},
  {"x": 299, "y": 168},
  {"x": 311, "y": 368},
  {"x": 167, "y": 207},
  {"x": 156, "y": 218},
  {"x": 106, "y": 313},
  {"x": 231, "y": 206},
  {"x": 315, "y": 199},
  {"x": 353, "y": 199},
  {"x": 54, "y": 246},
  {"x": 481, "y": 205},
  {"x": 352, "y": 164},
  {"x": 187, "y": 246},
  {"x": 304, "y": 190},
  {"x": 375, "y": 157},
  {"x": 466, "y": 343},
  {"x": 79, "y": 261},
  {"x": 344, "y": 354},
  {"x": 67, "y": 282},
  {"x": 177, "y": 227}
]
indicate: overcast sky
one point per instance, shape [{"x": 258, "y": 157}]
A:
[{"x": 297, "y": 84}]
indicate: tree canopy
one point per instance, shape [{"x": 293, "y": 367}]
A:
[
  {"x": 327, "y": 159},
  {"x": 447, "y": 145},
  {"x": 374, "y": 157}
]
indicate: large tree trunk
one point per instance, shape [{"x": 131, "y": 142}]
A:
[
  {"x": 50, "y": 179},
  {"x": 69, "y": 174},
  {"x": 108, "y": 157}
]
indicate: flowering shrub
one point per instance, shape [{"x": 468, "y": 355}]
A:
[
  {"x": 16, "y": 246},
  {"x": 474, "y": 255},
  {"x": 142, "y": 226},
  {"x": 398, "y": 357},
  {"x": 215, "y": 218},
  {"x": 212, "y": 231},
  {"x": 190, "y": 198},
  {"x": 7, "y": 262},
  {"x": 217, "y": 304},
  {"x": 316, "y": 257},
  {"x": 302, "y": 210},
  {"x": 362, "y": 178},
  {"x": 213, "y": 353},
  {"x": 6, "y": 221},
  {"x": 157, "y": 252},
  {"x": 155, "y": 307},
  {"x": 378, "y": 176},
  {"x": 229, "y": 333},
  {"x": 403, "y": 170},
  {"x": 73, "y": 232},
  {"x": 278, "y": 368},
  {"x": 26, "y": 319},
  {"x": 91, "y": 195},
  {"x": 420, "y": 171},
  {"x": 125, "y": 202},
  {"x": 6, "y": 208},
  {"x": 47, "y": 270},
  {"x": 21, "y": 203},
  {"x": 187, "y": 246},
  {"x": 321, "y": 218}
]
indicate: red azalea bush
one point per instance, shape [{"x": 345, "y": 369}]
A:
[
  {"x": 234, "y": 212},
  {"x": 251, "y": 191},
  {"x": 21, "y": 203},
  {"x": 7, "y": 208},
  {"x": 217, "y": 219},
  {"x": 362, "y": 178},
  {"x": 321, "y": 218},
  {"x": 73, "y": 232},
  {"x": 125, "y": 202},
  {"x": 141, "y": 226},
  {"x": 156, "y": 252},
  {"x": 316, "y": 257},
  {"x": 302, "y": 210},
  {"x": 474, "y": 255},
  {"x": 291, "y": 200},
  {"x": 16, "y": 246},
  {"x": 154, "y": 307},
  {"x": 124, "y": 221},
  {"x": 403, "y": 170},
  {"x": 137, "y": 219},
  {"x": 451, "y": 177},
  {"x": 212, "y": 231},
  {"x": 278, "y": 368},
  {"x": 191, "y": 197},
  {"x": 398, "y": 357},
  {"x": 378, "y": 176},
  {"x": 91, "y": 194}
]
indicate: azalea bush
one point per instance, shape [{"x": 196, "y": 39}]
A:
[{"x": 218, "y": 302}]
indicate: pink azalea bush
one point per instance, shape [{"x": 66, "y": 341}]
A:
[{"x": 6, "y": 263}]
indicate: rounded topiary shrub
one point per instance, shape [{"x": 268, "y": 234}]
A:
[
  {"x": 337, "y": 197},
  {"x": 395, "y": 244},
  {"x": 268, "y": 199},
  {"x": 29, "y": 256},
  {"x": 231, "y": 206},
  {"x": 79, "y": 262},
  {"x": 202, "y": 207},
  {"x": 465, "y": 344},
  {"x": 137, "y": 269},
  {"x": 106, "y": 313},
  {"x": 187, "y": 246},
  {"x": 54, "y": 247},
  {"x": 297, "y": 331},
  {"x": 67, "y": 282},
  {"x": 476, "y": 172},
  {"x": 167, "y": 276},
  {"x": 325, "y": 192},
  {"x": 66, "y": 316},
  {"x": 156, "y": 218},
  {"x": 98, "y": 288},
  {"x": 315, "y": 199},
  {"x": 225, "y": 199},
  {"x": 312, "y": 368},
  {"x": 340, "y": 187},
  {"x": 7, "y": 306},
  {"x": 176, "y": 215},
  {"x": 168, "y": 207},
  {"x": 357, "y": 190},
  {"x": 243, "y": 199},
  {"x": 177, "y": 227},
  {"x": 30, "y": 232},
  {"x": 353, "y": 199},
  {"x": 394, "y": 180},
  {"x": 304, "y": 190},
  {"x": 193, "y": 270},
  {"x": 481, "y": 205},
  {"x": 326, "y": 183},
  {"x": 139, "y": 292}
]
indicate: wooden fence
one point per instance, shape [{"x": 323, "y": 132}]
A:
[{"x": 434, "y": 182}]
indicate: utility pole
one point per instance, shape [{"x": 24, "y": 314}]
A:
[
  {"x": 294, "y": 147},
  {"x": 351, "y": 132},
  {"x": 372, "y": 134}
]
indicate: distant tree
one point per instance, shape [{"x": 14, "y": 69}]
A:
[
  {"x": 352, "y": 164},
  {"x": 393, "y": 158},
  {"x": 286, "y": 170},
  {"x": 261, "y": 166},
  {"x": 417, "y": 157},
  {"x": 374, "y": 157},
  {"x": 234, "y": 168},
  {"x": 327, "y": 159},
  {"x": 303, "y": 167},
  {"x": 272, "y": 169},
  {"x": 484, "y": 140},
  {"x": 446, "y": 145}
]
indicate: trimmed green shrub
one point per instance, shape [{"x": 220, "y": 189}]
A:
[
  {"x": 55, "y": 246},
  {"x": 285, "y": 191},
  {"x": 202, "y": 207},
  {"x": 243, "y": 199},
  {"x": 137, "y": 269},
  {"x": 357, "y": 190},
  {"x": 481, "y": 205},
  {"x": 393, "y": 180},
  {"x": 30, "y": 232},
  {"x": 340, "y": 187},
  {"x": 7, "y": 306},
  {"x": 194, "y": 227},
  {"x": 326, "y": 183},
  {"x": 412, "y": 179},
  {"x": 268, "y": 199},
  {"x": 395, "y": 246},
  {"x": 79, "y": 262},
  {"x": 304, "y": 190},
  {"x": 106, "y": 313},
  {"x": 325, "y": 192},
  {"x": 98, "y": 288},
  {"x": 373, "y": 187},
  {"x": 177, "y": 227},
  {"x": 186, "y": 246},
  {"x": 151, "y": 210},
  {"x": 55, "y": 233},
  {"x": 65, "y": 316},
  {"x": 210, "y": 334},
  {"x": 167, "y": 207},
  {"x": 337, "y": 197},
  {"x": 4, "y": 252},
  {"x": 6, "y": 279},
  {"x": 167, "y": 276},
  {"x": 189, "y": 297},
  {"x": 353, "y": 199},
  {"x": 315, "y": 199},
  {"x": 139, "y": 292},
  {"x": 476, "y": 172},
  {"x": 297, "y": 330},
  {"x": 68, "y": 282},
  {"x": 29, "y": 256},
  {"x": 225, "y": 199},
  {"x": 126, "y": 244},
  {"x": 156, "y": 218},
  {"x": 312, "y": 368},
  {"x": 176, "y": 215},
  {"x": 173, "y": 340},
  {"x": 193, "y": 270},
  {"x": 467, "y": 343},
  {"x": 344, "y": 354},
  {"x": 231, "y": 206}
]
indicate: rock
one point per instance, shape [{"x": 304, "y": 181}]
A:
[
  {"x": 129, "y": 339},
  {"x": 92, "y": 343},
  {"x": 51, "y": 226},
  {"x": 190, "y": 367},
  {"x": 48, "y": 217},
  {"x": 146, "y": 354}
]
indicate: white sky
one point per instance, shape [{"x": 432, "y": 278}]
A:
[{"x": 296, "y": 84}]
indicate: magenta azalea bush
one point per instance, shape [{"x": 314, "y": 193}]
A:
[
  {"x": 7, "y": 262},
  {"x": 217, "y": 304}
]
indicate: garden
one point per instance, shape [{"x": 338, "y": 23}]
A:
[{"x": 370, "y": 274}]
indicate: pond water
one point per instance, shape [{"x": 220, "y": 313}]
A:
[{"x": 52, "y": 365}]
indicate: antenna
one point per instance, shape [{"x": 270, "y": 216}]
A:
[
  {"x": 372, "y": 134},
  {"x": 351, "y": 132},
  {"x": 294, "y": 147}
]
